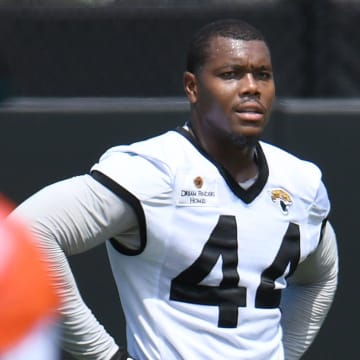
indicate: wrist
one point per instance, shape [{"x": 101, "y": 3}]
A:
[{"x": 121, "y": 354}]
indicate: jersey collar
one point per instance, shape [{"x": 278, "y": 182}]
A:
[{"x": 255, "y": 189}]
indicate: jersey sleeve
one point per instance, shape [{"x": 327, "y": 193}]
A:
[
  {"x": 317, "y": 215},
  {"x": 70, "y": 217},
  {"x": 320, "y": 208},
  {"x": 145, "y": 176}
]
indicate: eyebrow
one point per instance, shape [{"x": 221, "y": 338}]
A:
[{"x": 242, "y": 67}]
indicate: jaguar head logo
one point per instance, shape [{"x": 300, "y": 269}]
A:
[{"x": 283, "y": 198}]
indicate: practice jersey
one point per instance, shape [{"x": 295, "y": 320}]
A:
[{"x": 203, "y": 279}]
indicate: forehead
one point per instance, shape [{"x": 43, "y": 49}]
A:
[{"x": 228, "y": 49}]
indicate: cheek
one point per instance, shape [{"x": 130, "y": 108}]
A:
[
  {"x": 267, "y": 97},
  {"x": 224, "y": 97},
  {"x": 216, "y": 98},
  {"x": 209, "y": 99},
  {"x": 270, "y": 92}
]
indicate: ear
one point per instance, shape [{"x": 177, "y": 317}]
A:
[{"x": 190, "y": 86}]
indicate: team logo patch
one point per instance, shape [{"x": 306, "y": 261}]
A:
[{"x": 281, "y": 197}]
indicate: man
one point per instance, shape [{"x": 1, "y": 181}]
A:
[
  {"x": 28, "y": 300},
  {"x": 219, "y": 243}
]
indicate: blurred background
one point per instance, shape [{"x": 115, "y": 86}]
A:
[{"x": 79, "y": 76}]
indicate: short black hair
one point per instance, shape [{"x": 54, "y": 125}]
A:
[{"x": 228, "y": 28}]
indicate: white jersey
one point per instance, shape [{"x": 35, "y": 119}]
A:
[{"x": 212, "y": 258}]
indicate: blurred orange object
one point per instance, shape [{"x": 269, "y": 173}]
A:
[{"x": 26, "y": 292}]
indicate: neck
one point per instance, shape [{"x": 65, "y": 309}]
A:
[
  {"x": 240, "y": 161},
  {"x": 236, "y": 155}
]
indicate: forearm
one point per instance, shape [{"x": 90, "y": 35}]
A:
[
  {"x": 303, "y": 311},
  {"x": 308, "y": 298},
  {"x": 67, "y": 218},
  {"x": 81, "y": 334}
]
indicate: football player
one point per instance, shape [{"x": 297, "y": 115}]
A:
[{"x": 219, "y": 243}]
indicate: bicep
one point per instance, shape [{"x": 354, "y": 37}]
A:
[
  {"x": 322, "y": 264},
  {"x": 79, "y": 213}
]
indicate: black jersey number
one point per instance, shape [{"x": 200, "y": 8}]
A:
[{"x": 229, "y": 296}]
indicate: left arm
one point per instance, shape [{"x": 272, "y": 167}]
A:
[{"x": 308, "y": 298}]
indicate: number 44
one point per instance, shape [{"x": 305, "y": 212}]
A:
[{"x": 229, "y": 296}]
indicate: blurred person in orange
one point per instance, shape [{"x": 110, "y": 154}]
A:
[{"x": 28, "y": 319}]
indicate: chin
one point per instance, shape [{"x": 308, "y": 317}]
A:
[
  {"x": 248, "y": 129},
  {"x": 244, "y": 140}
]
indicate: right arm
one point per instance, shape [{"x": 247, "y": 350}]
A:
[{"x": 70, "y": 217}]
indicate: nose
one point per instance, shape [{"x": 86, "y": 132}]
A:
[{"x": 249, "y": 85}]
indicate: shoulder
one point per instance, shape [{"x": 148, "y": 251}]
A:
[
  {"x": 146, "y": 167},
  {"x": 290, "y": 165},
  {"x": 301, "y": 178},
  {"x": 158, "y": 149}
]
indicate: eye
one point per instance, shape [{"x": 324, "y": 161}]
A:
[
  {"x": 234, "y": 74},
  {"x": 227, "y": 75},
  {"x": 263, "y": 75}
]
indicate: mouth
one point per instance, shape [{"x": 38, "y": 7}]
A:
[
  {"x": 250, "y": 111},
  {"x": 249, "y": 115}
]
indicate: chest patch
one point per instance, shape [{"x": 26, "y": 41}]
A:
[
  {"x": 196, "y": 190},
  {"x": 282, "y": 198}
]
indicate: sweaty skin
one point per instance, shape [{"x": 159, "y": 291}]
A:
[{"x": 231, "y": 97}]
